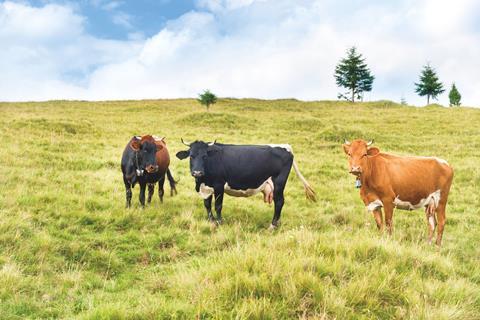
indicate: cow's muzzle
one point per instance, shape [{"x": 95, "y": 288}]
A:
[
  {"x": 197, "y": 174},
  {"x": 356, "y": 171},
  {"x": 151, "y": 168}
]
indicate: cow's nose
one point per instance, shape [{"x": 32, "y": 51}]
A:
[
  {"x": 197, "y": 174},
  {"x": 356, "y": 170},
  {"x": 152, "y": 168}
]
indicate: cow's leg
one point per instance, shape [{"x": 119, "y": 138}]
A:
[
  {"x": 208, "y": 206},
  {"x": 218, "y": 193},
  {"x": 172, "y": 182},
  {"x": 128, "y": 192},
  {"x": 141, "y": 197},
  {"x": 151, "y": 190},
  {"x": 161, "y": 190},
  {"x": 377, "y": 214},
  {"x": 441, "y": 218},
  {"x": 388, "y": 209},
  {"x": 279, "y": 183}
]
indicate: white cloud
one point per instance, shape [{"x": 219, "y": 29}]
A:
[
  {"x": 46, "y": 53},
  {"x": 248, "y": 48},
  {"x": 20, "y": 23}
]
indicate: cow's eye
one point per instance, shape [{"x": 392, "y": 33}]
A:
[{"x": 350, "y": 155}]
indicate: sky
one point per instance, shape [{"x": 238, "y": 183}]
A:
[{"x": 143, "y": 49}]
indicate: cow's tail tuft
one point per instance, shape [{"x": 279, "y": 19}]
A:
[{"x": 309, "y": 192}]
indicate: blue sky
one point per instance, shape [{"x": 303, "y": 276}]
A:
[
  {"x": 120, "y": 49},
  {"x": 118, "y": 19}
]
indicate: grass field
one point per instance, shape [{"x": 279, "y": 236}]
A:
[{"x": 69, "y": 248}]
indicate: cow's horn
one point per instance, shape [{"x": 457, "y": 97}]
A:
[
  {"x": 369, "y": 143},
  {"x": 347, "y": 142},
  {"x": 212, "y": 143},
  {"x": 185, "y": 143}
]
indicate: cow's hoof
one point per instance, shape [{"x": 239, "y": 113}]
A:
[
  {"x": 219, "y": 221},
  {"x": 213, "y": 225},
  {"x": 272, "y": 228}
]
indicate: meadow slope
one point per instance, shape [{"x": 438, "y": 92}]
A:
[{"x": 69, "y": 248}]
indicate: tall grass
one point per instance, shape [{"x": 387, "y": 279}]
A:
[{"x": 69, "y": 248}]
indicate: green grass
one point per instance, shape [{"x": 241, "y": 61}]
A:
[{"x": 69, "y": 249}]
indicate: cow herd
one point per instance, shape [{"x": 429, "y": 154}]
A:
[{"x": 385, "y": 181}]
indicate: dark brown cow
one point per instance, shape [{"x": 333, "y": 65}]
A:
[
  {"x": 145, "y": 160},
  {"x": 407, "y": 183}
]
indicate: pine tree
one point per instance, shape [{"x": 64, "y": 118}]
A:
[
  {"x": 429, "y": 84},
  {"x": 454, "y": 96},
  {"x": 353, "y": 74},
  {"x": 207, "y": 98}
]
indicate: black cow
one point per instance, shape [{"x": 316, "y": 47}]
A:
[
  {"x": 145, "y": 160},
  {"x": 241, "y": 170}
]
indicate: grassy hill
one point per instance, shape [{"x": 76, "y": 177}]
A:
[{"x": 69, "y": 249}]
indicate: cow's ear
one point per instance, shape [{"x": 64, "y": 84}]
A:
[
  {"x": 346, "y": 148},
  {"x": 373, "y": 151},
  {"x": 135, "y": 144},
  {"x": 183, "y": 154}
]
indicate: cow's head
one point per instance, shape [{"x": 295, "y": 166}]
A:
[
  {"x": 198, "y": 153},
  {"x": 145, "y": 150},
  {"x": 359, "y": 152}
]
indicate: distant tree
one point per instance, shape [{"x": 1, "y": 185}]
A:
[
  {"x": 454, "y": 96},
  {"x": 207, "y": 98},
  {"x": 429, "y": 84},
  {"x": 353, "y": 74},
  {"x": 403, "y": 101}
]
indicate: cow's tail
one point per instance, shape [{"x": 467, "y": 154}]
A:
[
  {"x": 173, "y": 183},
  {"x": 309, "y": 192}
]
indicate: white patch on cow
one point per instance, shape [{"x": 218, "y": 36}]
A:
[
  {"x": 205, "y": 191},
  {"x": 284, "y": 146},
  {"x": 372, "y": 206},
  {"x": 406, "y": 205},
  {"x": 138, "y": 137},
  {"x": 441, "y": 161},
  {"x": 248, "y": 192},
  {"x": 431, "y": 221}
]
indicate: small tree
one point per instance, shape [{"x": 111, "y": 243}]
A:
[
  {"x": 454, "y": 96},
  {"x": 353, "y": 74},
  {"x": 429, "y": 84},
  {"x": 207, "y": 98}
]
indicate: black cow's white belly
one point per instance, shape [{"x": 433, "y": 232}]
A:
[{"x": 266, "y": 187}]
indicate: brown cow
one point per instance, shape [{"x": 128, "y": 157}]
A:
[
  {"x": 145, "y": 160},
  {"x": 407, "y": 183}
]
